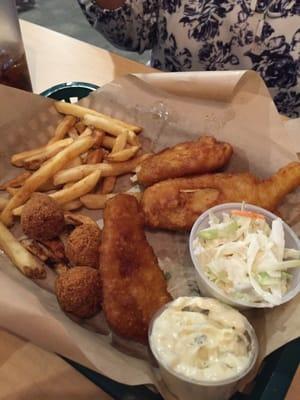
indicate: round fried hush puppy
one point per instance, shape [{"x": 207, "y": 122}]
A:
[
  {"x": 42, "y": 218},
  {"x": 82, "y": 247},
  {"x": 78, "y": 291}
]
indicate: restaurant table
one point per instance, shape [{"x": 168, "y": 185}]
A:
[
  {"x": 26, "y": 371},
  {"x": 55, "y": 58}
]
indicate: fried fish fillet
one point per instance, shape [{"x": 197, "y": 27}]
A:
[
  {"x": 134, "y": 287},
  {"x": 175, "y": 204},
  {"x": 197, "y": 157}
]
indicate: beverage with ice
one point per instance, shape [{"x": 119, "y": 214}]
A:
[
  {"x": 13, "y": 66},
  {"x": 14, "y": 71}
]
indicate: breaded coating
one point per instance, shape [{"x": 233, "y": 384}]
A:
[
  {"x": 56, "y": 250},
  {"x": 83, "y": 245},
  {"x": 175, "y": 204},
  {"x": 79, "y": 291},
  {"x": 42, "y": 218},
  {"x": 134, "y": 287},
  {"x": 189, "y": 158}
]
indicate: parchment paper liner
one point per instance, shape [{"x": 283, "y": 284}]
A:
[{"x": 233, "y": 106}]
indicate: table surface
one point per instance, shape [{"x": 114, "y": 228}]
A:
[
  {"x": 26, "y": 371},
  {"x": 55, "y": 58}
]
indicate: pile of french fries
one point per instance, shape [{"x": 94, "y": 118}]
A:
[{"x": 78, "y": 167}]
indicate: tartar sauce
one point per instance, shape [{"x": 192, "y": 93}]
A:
[{"x": 202, "y": 339}]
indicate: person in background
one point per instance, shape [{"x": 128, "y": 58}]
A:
[{"x": 194, "y": 35}]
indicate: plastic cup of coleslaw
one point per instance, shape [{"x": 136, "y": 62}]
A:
[
  {"x": 209, "y": 288},
  {"x": 193, "y": 356}
]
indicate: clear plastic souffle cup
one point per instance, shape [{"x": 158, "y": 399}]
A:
[
  {"x": 210, "y": 289},
  {"x": 184, "y": 388}
]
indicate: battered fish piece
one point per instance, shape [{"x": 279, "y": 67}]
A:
[
  {"x": 175, "y": 204},
  {"x": 198, "y": 157},
  {"x": 134, "y": 287}
]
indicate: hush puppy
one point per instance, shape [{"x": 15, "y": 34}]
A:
[
  {"x": 78, "y": 291},
  {"x": 82, "y": 246},
  {"x": 42, "y": 218}
]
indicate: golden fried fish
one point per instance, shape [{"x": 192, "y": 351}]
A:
[
  {"x": 175, "y": 204},
  {"x": 197, "y": 157},
  {"x": 134, "y": 287}
]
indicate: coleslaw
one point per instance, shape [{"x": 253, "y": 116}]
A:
[{"x": 245, "y": 257}]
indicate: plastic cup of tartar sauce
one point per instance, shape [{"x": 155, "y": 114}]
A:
[
  {"x": 209, "y": 288},
  {"x": 203, "y": 348}
]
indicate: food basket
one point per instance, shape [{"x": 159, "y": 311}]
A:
[
  {"x": 70, "y": 92},
  {"x": 277, "y": 370}
]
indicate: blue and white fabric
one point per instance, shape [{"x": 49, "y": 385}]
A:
[{"x": 186, "y": 35}]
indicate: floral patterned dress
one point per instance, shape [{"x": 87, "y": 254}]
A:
[{"x": 185, "y": 35}]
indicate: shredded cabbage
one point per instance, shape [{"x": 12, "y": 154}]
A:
[{"x": 246, "y": 258}]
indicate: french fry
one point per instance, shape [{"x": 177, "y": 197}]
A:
[
  {"x": 74, "y": 163},
  {"x": 114, "y": 169},
  {"x": 41, "y": 176},
  {"x": 97, "y": 201},
  {"x": 73, "y": 134},
  {"x": 189, "y": 190},
  {"x": 60, "y": 268},
  {"x": 48, "y": 186},
  {"x": 84, "y": 157},
  {"x": 62, "y": 128},
  {"x": 19, "y": 256},
  {"x": 79, "y": 112},
  {"x": 17, "y": 212},
  {"x": 18, "y": 158},
  {"x": 71, "y": 192},
  {"x": 48, "y": 250},
  {"x": 67, "y": 185},
  {"x": 110, "y": 181},
  {"x": 72, "y": 205},
  {"x": 122, "y": 155},
  {"x": 35, "y": 161},
  {"x": 80, "y": 127},
  {"x": 133, "y": 139},
  {"x": 77, "y": 190},
  {"x": 77, "y": 219},
  {"x": 55, "y": 249},
  {"x": 98, "y": 135},
  {"x": 15, "y": 182},
  {"x": 12, "y": 191},
  {"x": 109, "y": 127},
  {"x": 95, "y": 156},
  {"x": 108, "y": 184},
  {"x": 3, "y": 202},
  {"x": 74, "y": 174},
  {"x": 36, "y": 249},
  {"x": 87, "y": 132},
  {"x": 120, "y": 143},
  {"x": 108, "y": 142}
]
